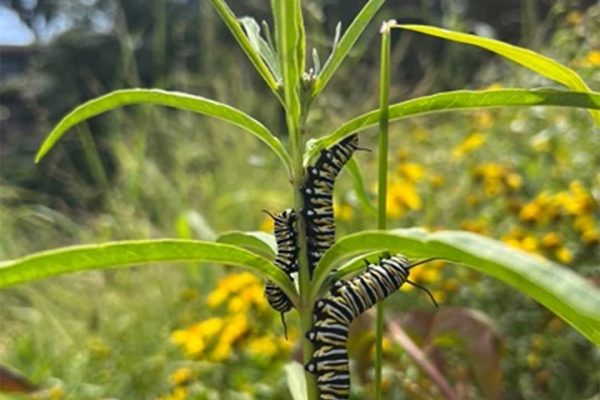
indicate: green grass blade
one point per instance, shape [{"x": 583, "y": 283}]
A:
[
  {"x": 459, "y": 100},
  {"x": 238, "y": 33},
  {"x": 288, "y": 37},
  {"x": 536, "y": 62},
  {"x": 182, "y": 101},
  {"x": 257, "y": 242},
  {"x": 346, "y": 44},
  {"x": 127, "y": 253},
  {"x": 561, "y": 290}
]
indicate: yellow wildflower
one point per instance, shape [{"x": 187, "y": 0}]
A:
[
  {"x": 564, "y": 255},
  {"x": 551, "y": 240},
  {"x": 221, "y": 352},
  {"x": 593, "y": 58},
  {"x": 267, "y": 224},
  {"x": 439, "y": 296},
  {"x": 483, "y": 120},
  {"x": 216, "y": 297},
  {"x": 530, "y": 244},
  {"x": 471, "y": 143},
  {"x": 451, "y": 285},
  {"x": 514, "y": 181},
  {"x": 590, "y": 237},
  {"x": 343, "y": 212},
  {"x": 473, "y": 226},
  {"x": 263, "y": 346},
  {"x": 583, "y": 223},
  {"x": 402, "y": 196},
  {"x": 413, "y": 172},
  {"x": 181, "y": 376},
  {"x": 533, "y": 360}
]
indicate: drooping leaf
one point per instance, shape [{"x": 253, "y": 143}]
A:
[
  {"x": 182, "y": 101},
  {"x": 127, "y": 253},
  {"x": 458, "y": 100},
  {"x": 561, "y": 290}
]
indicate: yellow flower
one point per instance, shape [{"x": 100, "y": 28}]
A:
[
  {"x": 564, "y": 255},
  {"x": 216, "y": 298},
  {"x": 530, "y": 244},
  {"x": 482, "y": 120},
  {"x": 590, "y": 237},
  {"x": 530, "y": 212},
  {"x": 439, "y": 296},
  {"x": 411, "y": 171},
  {"x": 221, "y": 352},
  {"x": 263, "y": 346},
  {"x": 471, "y": 143},
  {"x": 181, "y": 376},
  {"x": 473, "y": 226},
  {"x": 583, "y": 223},
  {"x": 451, "y": 285},
  {"x": 267, "y": 224},
  {"x": 343, "y": 212},
  {"x": 209, "y": 327},
  {"x": 551, "y": 240},
  {"x": 402, "y": 196},
  {"x": 578, "y": 201},
  {"x": 593, "y": 58},
  {"x": 514, "y": 181}
]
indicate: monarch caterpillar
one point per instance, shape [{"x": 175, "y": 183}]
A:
[
  {"x": 318, "y": 197},
  {"x": 286, "y": 260},
  {"x": 333, "y": 314}
]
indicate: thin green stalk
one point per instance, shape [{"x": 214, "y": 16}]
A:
[
  {"x": 289, "y": 35},
  {"x": 384, "y": 70}
]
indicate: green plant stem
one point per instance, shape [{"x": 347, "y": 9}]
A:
[{"x": 382, "y": 173}]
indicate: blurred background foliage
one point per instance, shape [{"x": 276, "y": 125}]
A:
[{"x": 526, "y": 176}]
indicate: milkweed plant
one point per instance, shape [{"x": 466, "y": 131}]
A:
[{"x": 296, "y": 77}]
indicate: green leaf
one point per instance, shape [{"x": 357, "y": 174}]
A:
[
  {"x": 234, "y": 26},
  {"x": 294, "y": 373},
  {"x": 182, "y": 101},
  {"x": 561, "y": 290},
  {"x": 536, "y": 62},
  {"x": 288, "y": 37},
  {"x": 458, "y": 100},
  {"x": 346, "y": 44},
  {"x": 261, "y": 45},
  {"x": 127, "y": 253},
  {"x": 257, "y": 242}
]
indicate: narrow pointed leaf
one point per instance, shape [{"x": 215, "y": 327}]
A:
[
  {"x": 459, "y": 100},
  {"x": 341, "y": 50},
  {"x": 359, "y": 188},
  {"x": 238, "y": 33},
  {"x": 182, "y": 101},
  {"x": 127, "y": 253},
  {"x": 561, "y": 290},
  {"x": 536, "y": 62},
  {"x": 257, "y": 242}
]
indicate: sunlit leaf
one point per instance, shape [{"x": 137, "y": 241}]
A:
[
  {"x": 182, "y": 101},
  {"x": 536, "y": 62},
  {"x": 127, "y": 253},
  {"x": 561, "y": 290},
  {"x": 261, "y": 45},
  {"x": 294, "y": 373},
  {"x": 258, "y": 242},
  {"x": 459, "y": 100}
]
